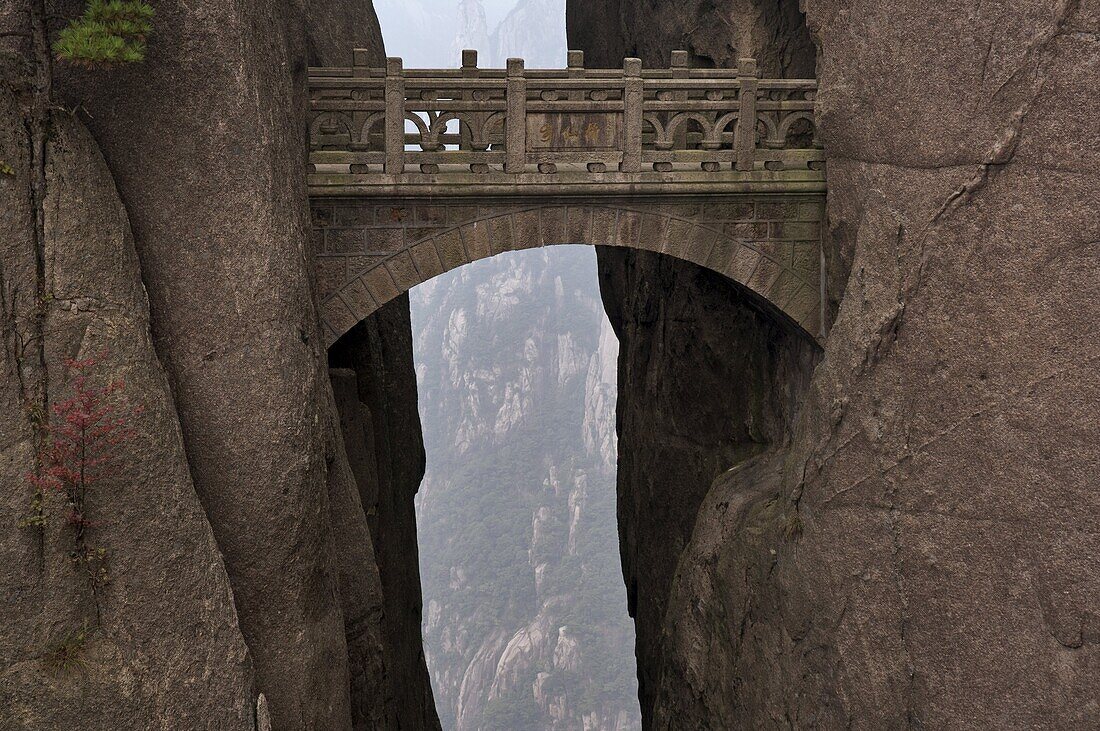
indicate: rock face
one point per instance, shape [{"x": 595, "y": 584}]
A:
[
  {"x": 159, "y": 639},
  {"x": 219, "y": 222},
  {"x": 204, "y": 141},
  {"x": 708, "y": 378},
  {"x": 911, "y": 542},
  {"x": 877, "y": 572},
  {"x": 707, "y": 381},
  {"x": 376, "y": 397},
  {"x": 952, "y": 408},
  {"x": 715, "y": 33}
]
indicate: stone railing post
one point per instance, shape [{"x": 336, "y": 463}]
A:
[
  {"x": 632, "y": 115},
  {"x": 745, "y": 144},
  {"x": 575, "y": 70},
  {"x": 360, "y": 61},
  {"x": 678, "y": 64},
  {"x": 395, "y": 117},
  {"x": 515, "y": 121},
  {"x": 469, "y": 71}
]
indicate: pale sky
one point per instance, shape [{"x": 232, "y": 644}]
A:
[{"x": 425, "y": 33}]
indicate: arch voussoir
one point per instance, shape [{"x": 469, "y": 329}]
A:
[
  {"x": 578, "y": 224},
  {"x": 380, "y": 284},
  {"x": 501, "y": 238},
  {"x": 477, "y": 237},
  {"x": 552, "y": 224},
  {"x": 403, "y": 270},
  {"x": 764, "y": 275},
  {"x": 426, "y": 259},
  {"x": 743, "y": 264},
  {"x": 604, "y": 223},
  {"x": 628, "y": 228},
  {"x": 721, "y": 255},
  {"x": 526, "y": 233},
  {"x": 699, "y": 247},
  {"x": 784, "y": 288},
  {"x": 451, "y": 250},
  {"x": 358, "y": 298},
  {"x": 337, "y": 317},
  {"x": 652, "y": 231}
]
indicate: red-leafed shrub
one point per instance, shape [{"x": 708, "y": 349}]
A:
[{"x": 80, "y": 453}]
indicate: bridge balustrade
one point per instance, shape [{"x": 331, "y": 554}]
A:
[
  {"x": 665, "y": 128},
  {"x": 415, "y": 172}
]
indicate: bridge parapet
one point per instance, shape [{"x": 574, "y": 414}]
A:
[{"x": 473, "y": 131}]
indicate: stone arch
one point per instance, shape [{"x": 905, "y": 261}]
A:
[{"x": 754, "y": 251}]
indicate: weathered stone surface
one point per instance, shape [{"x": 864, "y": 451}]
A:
[
  {"x": 205, "y": 142},
  {"x": 715, "y": 33},
  {"x": 161, "y": 638},
  {"x": 714, "y": 618},
  {"x": 940, "y": 567},
  {"x": 706, "y": 380},
  {"x": 695, "y": 231},
  {"x": 937, "y": 568},
  {"x": 381, "y": 427},
  {"x": 360, "y": 583}
]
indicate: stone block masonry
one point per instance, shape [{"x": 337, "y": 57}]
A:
[{"x": 370, "y": 250}]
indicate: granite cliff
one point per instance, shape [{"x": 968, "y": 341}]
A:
[
  {"x": 871, "y": 569},
  {"x": 71, "y": 288},
  {"x": 173, "y": 234},
  {"x": 900, "y": 529}
]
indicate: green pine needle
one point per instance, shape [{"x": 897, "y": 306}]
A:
[{"x": 109, "y": 32}]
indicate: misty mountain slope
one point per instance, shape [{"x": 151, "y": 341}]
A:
[
  {"x": 525, "y": 610},
  {"x": 534, "y": 30},
  {"x": 432, "y": 33}
]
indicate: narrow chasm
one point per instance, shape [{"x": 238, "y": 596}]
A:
[
  {"x": 565, "y": 490},
  {"x": 374, "y": 385},
  {"x": 710, "y": 385},
  {"x": 710, "y": 381}
]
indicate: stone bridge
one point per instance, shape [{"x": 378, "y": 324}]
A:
[{"x": 416, "y": 172}]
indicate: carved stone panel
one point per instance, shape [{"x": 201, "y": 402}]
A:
[{"x": 574, "y": 131}]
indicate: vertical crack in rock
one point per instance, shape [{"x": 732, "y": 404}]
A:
[
  {"x": 684, "y": 335},
  {"x": 220, "y": 220},
  {"x": 38, "y": 129},
  {"x": 898, "y": 566},
  {"x": 1004, "y": 149},
  {"x": 34, "y": 390},
  {"x": 999, "y": 155}
]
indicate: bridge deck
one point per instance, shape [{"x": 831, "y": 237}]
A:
[
  {"x": 416, "y": 172},
  {"x": 568, "y": 181},
  {"x": 628, "y": 131}
]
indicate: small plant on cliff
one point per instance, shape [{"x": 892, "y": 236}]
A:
[
  {"x": 80, "y": 453},
  {"x": 792, "y": 527},
  {"x": 36, "y": 518},
  {"x": 67, "y": 653},
  {"x": 110, "y": 32}
]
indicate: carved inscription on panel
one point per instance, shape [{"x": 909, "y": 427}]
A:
[{"x": 574, "y": 131}]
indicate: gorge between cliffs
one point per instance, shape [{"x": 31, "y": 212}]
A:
[{"x": 889, "y": 520}]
